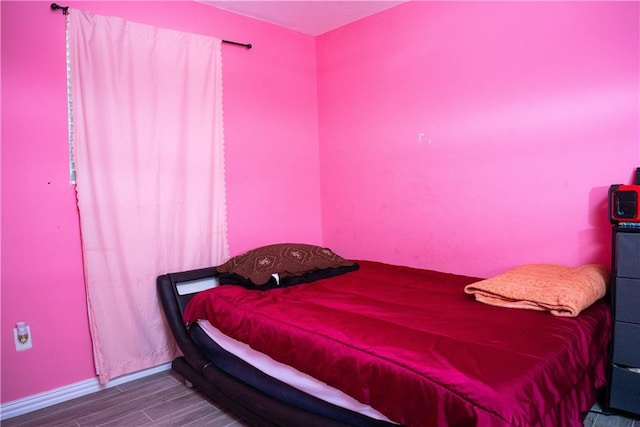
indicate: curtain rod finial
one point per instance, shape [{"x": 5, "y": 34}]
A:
[{"x": 56, "y": 6}]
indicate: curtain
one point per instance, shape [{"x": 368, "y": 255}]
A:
[{"x": 146, "y": 108}]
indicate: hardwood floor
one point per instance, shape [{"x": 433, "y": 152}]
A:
[
  {"x": 158, "y": 400},
  {"x": 163, "y": 400},
  {"x": 595, "y": 418}
]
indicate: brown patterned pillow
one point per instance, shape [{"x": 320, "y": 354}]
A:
[{"x": 293, "y": 262}]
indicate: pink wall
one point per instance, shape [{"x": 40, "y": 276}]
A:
[
  {"x": 529, "y": 112},
  {"x": 272, "y": 169}
]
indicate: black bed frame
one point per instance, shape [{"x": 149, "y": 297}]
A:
[{"x": 251, "y": 404}]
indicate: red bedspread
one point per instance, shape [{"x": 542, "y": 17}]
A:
[{"x": 413, "y": 345}]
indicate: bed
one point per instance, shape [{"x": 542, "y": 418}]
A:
[{"x": 408, "y": 345}]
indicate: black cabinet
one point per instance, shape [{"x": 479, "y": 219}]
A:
[{"x": 624, "y": 387}]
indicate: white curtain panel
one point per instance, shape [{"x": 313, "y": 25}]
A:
[{"x": 146, "y": 106}]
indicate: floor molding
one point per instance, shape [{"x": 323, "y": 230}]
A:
[{"x": 72, "y": 391}]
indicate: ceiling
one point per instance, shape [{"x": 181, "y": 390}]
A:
[{"x": 313, "y": 17}]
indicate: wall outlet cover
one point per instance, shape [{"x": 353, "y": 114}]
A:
[{"x": 20, "y": 346}]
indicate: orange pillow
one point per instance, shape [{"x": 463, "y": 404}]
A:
[{"x": 562, "y": 290}]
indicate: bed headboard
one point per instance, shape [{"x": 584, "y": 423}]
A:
[
  {"x": 175, "y": 290},
  {"x": 188, "y": 283}
]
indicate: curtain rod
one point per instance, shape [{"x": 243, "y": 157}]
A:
[{"x": 65, "y": 11}]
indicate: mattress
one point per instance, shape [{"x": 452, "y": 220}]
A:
[
  {"x": 284, "y": 373},
  {"x": 412, "y": 345}
]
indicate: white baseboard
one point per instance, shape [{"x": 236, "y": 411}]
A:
[{"x": 72, "y": 391}]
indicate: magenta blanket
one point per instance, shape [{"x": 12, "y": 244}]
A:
[{"x": 413, "y": 345}]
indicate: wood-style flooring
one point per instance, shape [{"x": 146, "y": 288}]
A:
[
  {"x": 163, "y": 400},
  {"x": 158, "y": 400}
]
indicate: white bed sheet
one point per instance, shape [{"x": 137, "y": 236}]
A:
[{"x": 287, "y": 374}]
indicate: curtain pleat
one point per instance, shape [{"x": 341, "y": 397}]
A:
[{"x": 149, "y": 154}]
